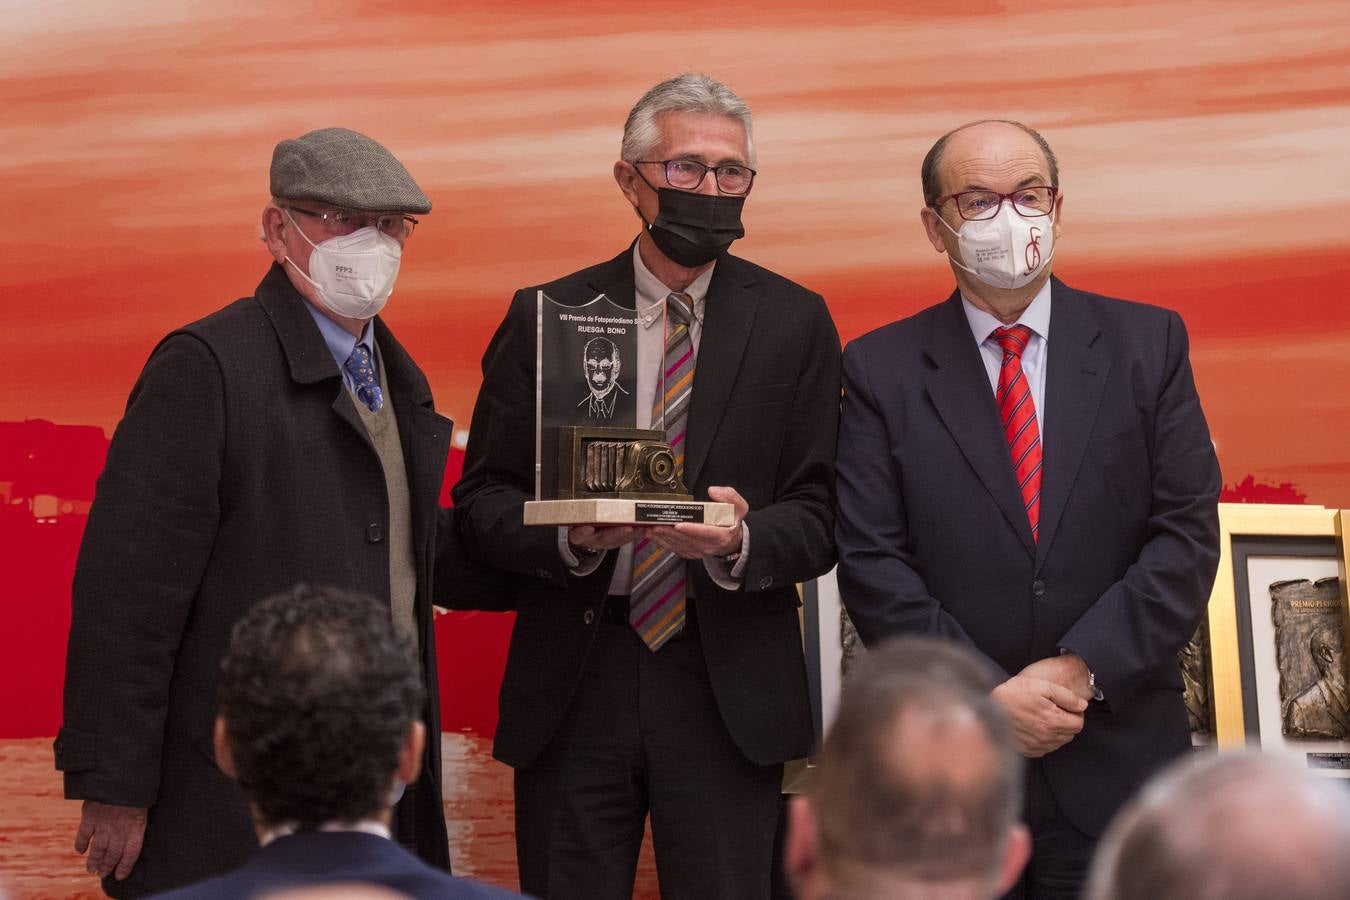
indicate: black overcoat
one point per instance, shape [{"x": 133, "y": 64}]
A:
[{"x": 240, "y": 468}]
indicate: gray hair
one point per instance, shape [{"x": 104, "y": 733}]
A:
[
  {"x": 937, "y": 811},
  {"x": 1236, "y": 826},
  {"x": 690, "y": 92},
  {"x": 928, "y": 172}
]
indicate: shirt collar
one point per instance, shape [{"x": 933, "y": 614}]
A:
[
  {"x": 652, "y": 293},
  {"x": 1036, "y": 316},
  {"x": 339, "y": 340},
  {"x": 367, "y": 826}
]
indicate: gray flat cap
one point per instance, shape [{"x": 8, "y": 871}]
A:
[{"x": 343, "y": 168}]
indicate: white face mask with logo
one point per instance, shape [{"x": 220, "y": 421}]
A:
[
  {"x": 1007, "y": 251},
  {"x": 353, "y": 274}
]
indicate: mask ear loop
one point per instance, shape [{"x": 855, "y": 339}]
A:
[
  {"x": 298, "y": 228},
  {"x": 301, "y": 272},
  {"x": 956, "y": 262},
  {"x": 638, "y": 209}
]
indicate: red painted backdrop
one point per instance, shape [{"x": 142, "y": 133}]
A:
[{"x": 1202, "y": 146}]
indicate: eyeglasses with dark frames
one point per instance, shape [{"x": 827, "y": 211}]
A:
[
  {"x": 338, "y": 222},
  {"x": 688, "y": 174},
  {"x": 974, "y": 206}
]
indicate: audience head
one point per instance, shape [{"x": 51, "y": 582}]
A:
[
  {"x": 1236, "y": 826},
  {"x": 336, "y": 890},
  {"x": 320, "y": 705},
  {"x": 918, "y": 790}
]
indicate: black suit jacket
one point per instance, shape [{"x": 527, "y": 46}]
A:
[
  {"x": 240, "y": 468},
  {"x": 335, "y": 856},
  {"x": 933, "y": 538},
  {"x": 763, "y": 420}
]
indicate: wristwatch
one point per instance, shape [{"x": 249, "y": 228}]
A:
[{"x": 1092, "y": 676}]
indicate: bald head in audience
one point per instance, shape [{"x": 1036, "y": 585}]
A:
[
  {"x": 1237, "y": 826},
  {"x": 918, "y": 788}
]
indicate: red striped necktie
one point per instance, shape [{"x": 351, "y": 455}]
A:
[
  {"x": 656, "y": 606},
  {"x": 1018, "y": 412}
]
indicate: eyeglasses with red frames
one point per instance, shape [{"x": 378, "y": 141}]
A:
[{"x": 973, "y": 206}]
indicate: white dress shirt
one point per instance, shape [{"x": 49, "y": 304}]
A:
[
  {"x": 366, "y": 826},
  {"x": 1036, "y": 317}
]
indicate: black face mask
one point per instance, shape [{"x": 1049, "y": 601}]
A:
[{"x": 693, "y": 229}]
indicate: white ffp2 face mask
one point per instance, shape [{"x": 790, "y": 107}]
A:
[
  {"x": 1007, "y": 251},
  {"x": 354, "y": 274}
]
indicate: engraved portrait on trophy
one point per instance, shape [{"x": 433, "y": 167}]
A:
[
  {"x": 1194, "y": 662},
  {"x": 601, "y": 364},
  {"x": 593, "y": 464},
  {"x": 586, "y": 359},
  {"x": 1309, "y": 650}
]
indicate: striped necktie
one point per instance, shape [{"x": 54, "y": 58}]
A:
[
  {"x": 1018, "y": 412},
  {"x": 656, "y": 608}
]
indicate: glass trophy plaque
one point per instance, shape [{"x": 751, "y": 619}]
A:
[{"x": 598, "y": 458}]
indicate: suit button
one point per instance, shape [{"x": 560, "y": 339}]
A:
[
  {"x": 765, "y": 583},
  {"x": 1038, "y": 589},
  {"x": 543, "y": 573},
  {"x": 589, "y": 617},
  {"x": 374, "y": 534},
  {"x": 59, "y": 748}
]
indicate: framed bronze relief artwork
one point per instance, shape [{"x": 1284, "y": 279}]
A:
[
  {"x": 1276, "y": 637},
  {"x": 1195, "y": 676}
]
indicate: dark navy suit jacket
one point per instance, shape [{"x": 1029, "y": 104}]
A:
[
  {"x": 336, "y": 856},
  {"x": 933, "y": 538}
]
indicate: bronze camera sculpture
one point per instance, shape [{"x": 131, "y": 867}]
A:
[
  {"x": 614, "y": 475},
  {"x": 593, "y": 465},
  {"x": 616, "y": 462}
]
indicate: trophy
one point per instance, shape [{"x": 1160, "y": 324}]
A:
[{"x": 593, "y": 463}]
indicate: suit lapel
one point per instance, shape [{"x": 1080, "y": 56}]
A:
[
  {"x": 614, "y": 279},
  {"x": 728, "y": 318},
  {"x": 424, "y": 434},
  {"x": 1075, "y": 379},
  {"x": 959, "y": 388},
  {"x": 307, "y": 354}
]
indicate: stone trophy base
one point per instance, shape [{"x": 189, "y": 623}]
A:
[{"x": 626, "y": 511}]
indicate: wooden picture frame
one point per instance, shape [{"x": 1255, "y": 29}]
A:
[{"x": 1257, "y": 540}]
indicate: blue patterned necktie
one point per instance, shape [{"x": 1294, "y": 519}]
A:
[{"x": 362, "y": 370}]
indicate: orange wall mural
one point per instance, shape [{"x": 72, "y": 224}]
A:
[{"x": 1202, "y": 149}]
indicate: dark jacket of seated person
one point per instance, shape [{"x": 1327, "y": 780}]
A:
[{"x": 319, "y": 704}]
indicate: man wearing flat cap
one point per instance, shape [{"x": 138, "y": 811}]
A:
[{"x": 285, "y": 438}]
